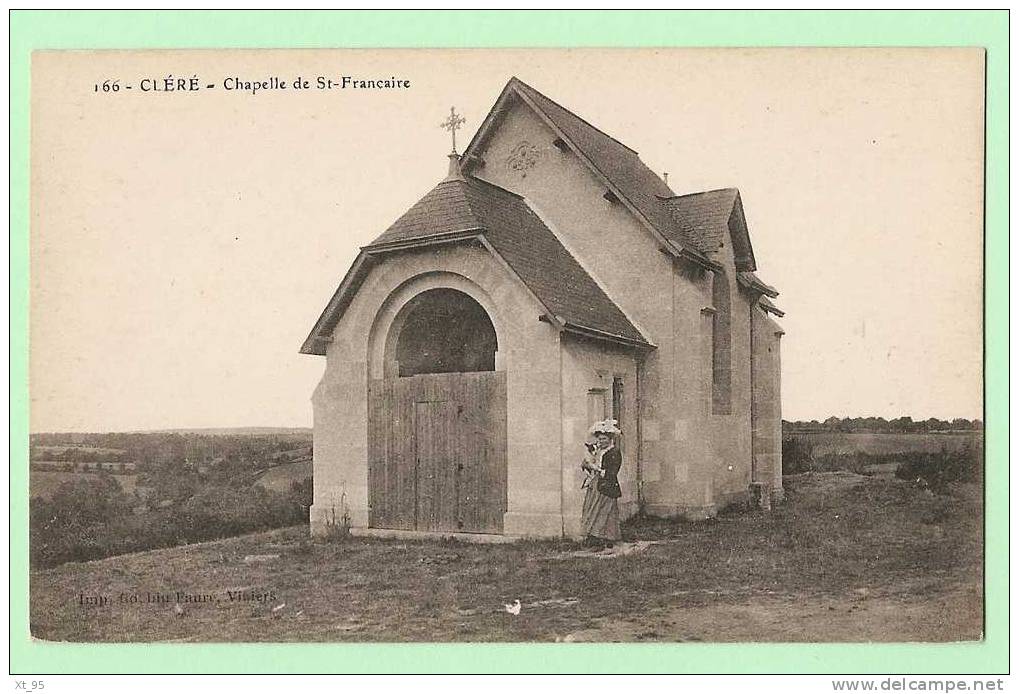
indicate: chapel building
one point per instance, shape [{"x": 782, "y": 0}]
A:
[{"x": 550, "y": 280}]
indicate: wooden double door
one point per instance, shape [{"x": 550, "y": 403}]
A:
[{"x": 437, "y": 452}]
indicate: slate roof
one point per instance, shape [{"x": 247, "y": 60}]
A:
[
  {"x": 691, "y": 222},
  {"x": 617, "y": 162},
  {"x": 462, "y": 207},
  {"x": 521, "y": 238},
  {"x": 709, "y": 217},
  {"x": 704, "y": 217},
  {"x": 447, "y": 208}
]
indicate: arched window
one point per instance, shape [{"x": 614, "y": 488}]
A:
[
  {"x": 721, "y": 346},
  {"x": 445, "y": 331}
]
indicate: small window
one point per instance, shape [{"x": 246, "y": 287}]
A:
[
  {"x": 617, "y": 401},
  {"x": 596, "y": 405},
  {"x": 721, "y": 347}
]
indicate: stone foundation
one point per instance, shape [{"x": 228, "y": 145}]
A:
[
  {"x": 688, "y": 513},
  {"x": 421, "y": 535},
  {"x": 536, "y": 525}
]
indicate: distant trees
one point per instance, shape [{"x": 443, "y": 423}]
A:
[
  {"x": 82, "y": 501},
  {"x": 76, "y": 514},
  {"x": 77, "y": 455},
  {"x": 171, "y": 482},
  {"x": 190, "y": 487},
  {"x": 899, "y": 425},
  {"x": 246, "y": 452},
  {"x": 90, "y": 519}
]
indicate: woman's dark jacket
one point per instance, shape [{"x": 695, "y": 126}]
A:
[{"x": 609, "y": 484}]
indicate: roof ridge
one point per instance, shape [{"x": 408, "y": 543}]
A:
[
  {"x": 472, "y": 178},
  {"x": 614, "y": 164},
  {"x": 445, "y": 235},
  {"x": 583, "y": 120},
  {"x": 698, "y": 192},
  {"x": 472, "y": 206}
]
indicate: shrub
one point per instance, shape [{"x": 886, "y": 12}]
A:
[
  {"x": 797, "y": 455},
  {"x": 225, "y": 511},
  {"x": 944, "y": 467},
  {"x": 302, "y": 493},
  {"x": 82, "y": 501},
  {"x": 87, "y": 521}
]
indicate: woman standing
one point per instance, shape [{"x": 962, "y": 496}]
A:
[{"x": 600, "y": 520}]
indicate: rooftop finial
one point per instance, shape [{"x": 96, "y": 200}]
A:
[
  {"x": 452, "y": 124},
  {"x": 455, "y": 174}
]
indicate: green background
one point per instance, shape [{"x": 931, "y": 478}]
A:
[{"x": 323, "y": 29}]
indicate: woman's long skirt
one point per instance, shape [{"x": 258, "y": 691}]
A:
[{"x": 601, "y": 515}]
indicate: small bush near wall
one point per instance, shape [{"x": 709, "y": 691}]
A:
[
  {"x": 797, "y": 455},
  {"x": 302, "y": 493}
]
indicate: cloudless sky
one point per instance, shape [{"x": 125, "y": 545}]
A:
[{"x": 183, "y": 244}]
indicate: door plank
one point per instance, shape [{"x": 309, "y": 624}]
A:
[{"x": 437, "y": 452}]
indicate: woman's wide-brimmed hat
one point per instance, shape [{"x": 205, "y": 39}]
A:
[{"x": 606, "y": 426}]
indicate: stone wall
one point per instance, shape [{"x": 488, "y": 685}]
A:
[
  {"x": 528, "y": 352},
  {"x": 588, "y": 371},
  {"x": 767, "y": 402},
  {"x": 662, "y": 298}
]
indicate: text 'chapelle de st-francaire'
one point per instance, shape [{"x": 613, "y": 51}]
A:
[{"x": 190, "y": 84}]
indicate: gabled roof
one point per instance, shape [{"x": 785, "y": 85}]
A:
[
  {"x": 465, "y": 208},
  {"x": 707, "y": 218},
  {"x": 626, "y": 176},
  {"x": 690, "y": 225},
  {"x": 462, "y": 208}
]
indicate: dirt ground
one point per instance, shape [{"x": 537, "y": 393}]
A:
[
  {"x": 846, "y": 558},
  {"x": 954, "y": 616}
]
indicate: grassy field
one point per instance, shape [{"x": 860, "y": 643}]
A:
[
  {"x": 839, "y": 443},
  {"x": 845, "y": 558},
  {"x": 280, "y": 478}
]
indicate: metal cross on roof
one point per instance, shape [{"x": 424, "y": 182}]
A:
[{"x": 452, "y": 124}]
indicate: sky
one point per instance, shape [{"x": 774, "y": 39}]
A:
[{"x": 184, "y": 243}]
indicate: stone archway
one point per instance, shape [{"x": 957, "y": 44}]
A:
[
  {"x": 444, "y": 330},
  {"x": 387, "y": 324},
  {"x": 437, "y": 415}
]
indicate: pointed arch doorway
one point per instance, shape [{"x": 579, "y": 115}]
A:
[{"x": 437, "y": 420}]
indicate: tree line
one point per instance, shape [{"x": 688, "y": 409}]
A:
[
  {"x": 190, "y": 487},
  {"x": 158, "y": 449},
  {"x": 899, "y": 425}
]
